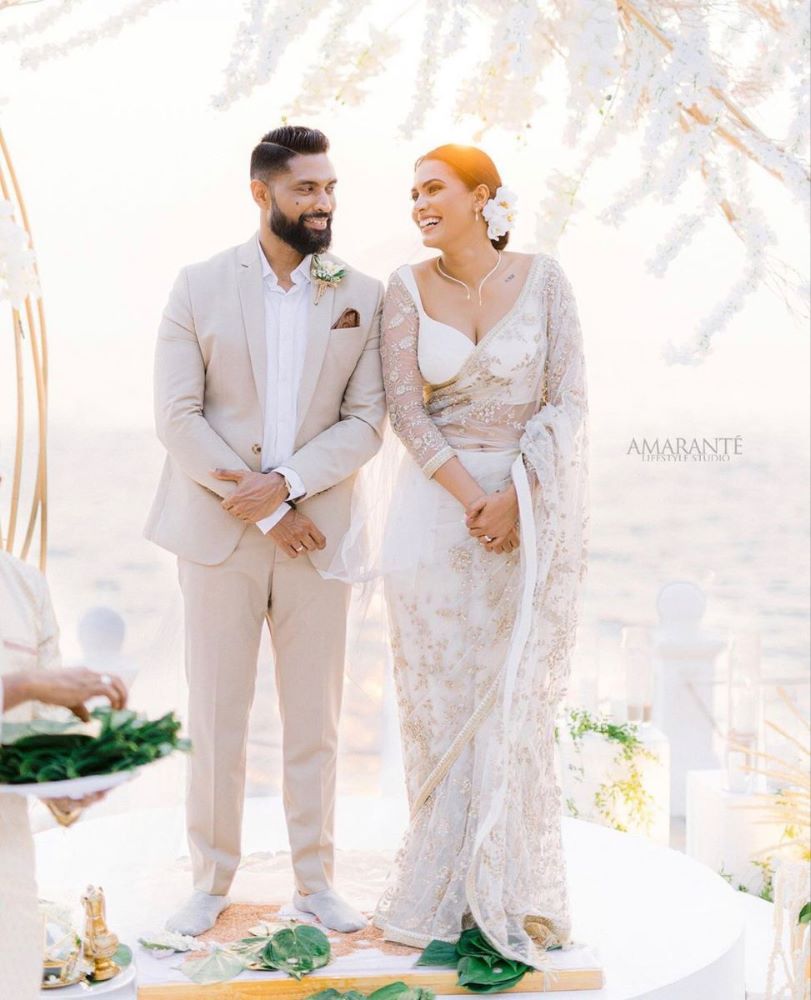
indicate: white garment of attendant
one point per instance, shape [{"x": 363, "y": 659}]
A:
[
  {"x": 29, "y": 640},
  {"x": 286, "y": 319}
]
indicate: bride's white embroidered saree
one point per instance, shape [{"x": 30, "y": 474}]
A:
[{"x": 482, "y": 642}]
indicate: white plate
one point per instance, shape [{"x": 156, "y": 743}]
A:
[
  {"x": 70, "y": 788},
  {"x": 110, "y": 988}
]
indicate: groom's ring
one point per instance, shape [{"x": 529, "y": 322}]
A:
[
  {"x": 106, "y": 679},
  {"x": 299, "y": 548}
]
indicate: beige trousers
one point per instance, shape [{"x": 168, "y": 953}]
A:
[{"x": 225, "y": 607}]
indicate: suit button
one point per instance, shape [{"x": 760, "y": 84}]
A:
[{"x": 256, "y": 449}]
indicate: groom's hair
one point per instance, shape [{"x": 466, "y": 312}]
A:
[{"x": 278, "y": 147}]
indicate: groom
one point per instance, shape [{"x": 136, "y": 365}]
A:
[{"x": 268, "y": 399}]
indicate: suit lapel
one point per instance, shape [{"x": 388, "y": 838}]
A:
[
  {"x": 320, "y": 317},
  {"x": 252, "y": 302}
]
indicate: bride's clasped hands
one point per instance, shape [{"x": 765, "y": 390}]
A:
[{"x": 493, "y": 520}]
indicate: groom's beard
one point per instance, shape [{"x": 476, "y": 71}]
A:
[{"x": 297, "y": 235}]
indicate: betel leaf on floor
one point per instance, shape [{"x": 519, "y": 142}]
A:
[
  {"x": 473, "y": 942},
  {"x": 391, "y": 991},
  {"x": 400, "y": 991},
  {"x": 479, "y": 966},
  {"x": 298, "y": 950},
  {"x": 217, "y": 967},
  {"x": 294, "y": 950},
  {"x": 439, "y": 953},
  {"x": 252, "y": 950},
  {"x": 489, "y": 975},
  {"x": 333, "y": 994}
]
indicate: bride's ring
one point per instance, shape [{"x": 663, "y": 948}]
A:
[
  {"x": 299, "y": 548},
  {"x": 106, "y": 679},
  {"x": 487, "y": 538}
]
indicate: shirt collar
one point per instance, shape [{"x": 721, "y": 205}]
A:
[{"x": 299, "y": 276}]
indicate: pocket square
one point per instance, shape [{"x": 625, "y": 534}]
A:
[{"x": 348, "y": 318}]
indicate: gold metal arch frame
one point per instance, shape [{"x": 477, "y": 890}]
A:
[{"x": 29, "y": 326}]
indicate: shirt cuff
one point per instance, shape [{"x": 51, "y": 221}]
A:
[
  {"x": 273, "y": 519},
  {"x": 296, "y": 485}
]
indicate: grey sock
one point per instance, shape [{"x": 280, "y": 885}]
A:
[
  {"x": 333, "y": 911},
  {"x": 199, "y": 913}
]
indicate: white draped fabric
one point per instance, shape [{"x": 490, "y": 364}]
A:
[
  {"x": 481, "y": 642},
  {"x": 29, "y": 640}
]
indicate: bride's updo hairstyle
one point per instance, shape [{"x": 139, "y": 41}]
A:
[{"x": 473, "y": 167}]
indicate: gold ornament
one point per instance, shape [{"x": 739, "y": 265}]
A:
[{"x": 100, "y": 944}]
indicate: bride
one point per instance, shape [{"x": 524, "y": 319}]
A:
[{"x": 485, "y": 381}]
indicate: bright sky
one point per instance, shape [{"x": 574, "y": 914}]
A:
[{"x": 129, "y": 173}]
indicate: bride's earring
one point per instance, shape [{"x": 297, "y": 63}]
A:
[{"x": 477, "y": 215}]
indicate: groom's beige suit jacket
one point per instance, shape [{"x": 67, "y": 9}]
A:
[{"x": 210, "y": 388}]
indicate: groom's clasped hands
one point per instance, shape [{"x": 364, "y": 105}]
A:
[{"x": 257, "y": 496}]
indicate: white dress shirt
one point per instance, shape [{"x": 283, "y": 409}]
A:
[{"x": 286, "y": 327}]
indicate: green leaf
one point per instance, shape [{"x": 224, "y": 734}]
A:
[
  {"x": 333, "y": 994},
  {"x": 473, "y": 969},
  {"x": 298, "y": 950},
  {"x": 391, "y": 991},
  {"x": 252, "y": 950},
  {"x": 218, "y": 967},
  {"x": 315, "y": 941},
  {"x": 124, "y": 741},
  {"x": 478, "y": 973},
  {"x": 439, "y": 953},
  {"x": 805, "y": 914},
  {"x": 494, "y": 987},
  {"x": 123, "y": 957},
  {"x": 417, "y": 993},
  {"x": 473, "y": 942}
]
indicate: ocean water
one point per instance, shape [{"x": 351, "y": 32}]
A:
[{"x": 739, "y": 529}]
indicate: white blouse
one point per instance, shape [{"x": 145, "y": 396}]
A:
[{"x": 441, "y": 348}]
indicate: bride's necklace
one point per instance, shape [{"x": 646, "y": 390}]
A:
[{"x": 450, "y": 277}]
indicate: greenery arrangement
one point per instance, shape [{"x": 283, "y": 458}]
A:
[
  {"x": 789, "y": 805},
  {"x": 630, "y": 788},
  {"x": 480, "y": 968},
  {"x": 766, "y": 891},
  {"x": 294, "y": 950},
  {"x": 124, "y": 740}
]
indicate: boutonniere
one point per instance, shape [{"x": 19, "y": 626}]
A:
[{"x": 325, "y": 274}]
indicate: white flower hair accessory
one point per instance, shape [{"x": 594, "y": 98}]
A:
[{"x": 500, "y": 213}]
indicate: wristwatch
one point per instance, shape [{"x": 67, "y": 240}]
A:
[{"x": 289, "y": 487}]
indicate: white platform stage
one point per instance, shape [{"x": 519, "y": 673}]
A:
[{"x": 662, "y": 926}]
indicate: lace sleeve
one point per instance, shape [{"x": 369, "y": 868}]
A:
[{"x": 404, "y": 383}]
